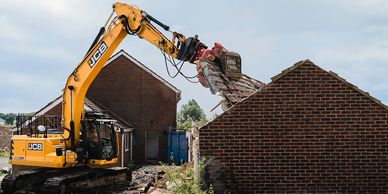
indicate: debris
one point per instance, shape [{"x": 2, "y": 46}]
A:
[
  {"x": 147, "y": 179},
  {"x": 5, "y": 137},
  {"x": 232, "y": 90},
  {"x": 5, "y": 170},
  {"x": 154, "y": 190}
]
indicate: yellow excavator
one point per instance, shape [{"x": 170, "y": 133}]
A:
[{"x": 62, "y": 158}]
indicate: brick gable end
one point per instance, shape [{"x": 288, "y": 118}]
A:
[{"x": 307, "y": 131}]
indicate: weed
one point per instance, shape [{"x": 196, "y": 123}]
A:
[
  {"x": 181, "y": 179},
  {"x": 4, "y": 154}
]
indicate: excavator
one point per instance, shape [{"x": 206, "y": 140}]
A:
[{"x": 62, "y": 159}]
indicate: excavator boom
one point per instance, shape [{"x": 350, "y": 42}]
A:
[{"x": 133, "y": 21}]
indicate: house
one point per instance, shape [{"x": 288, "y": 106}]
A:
[
  {"x": 308, "y": 131},
  {"x": 143, "y": 103},
  {"x": 141, "y": 97}
]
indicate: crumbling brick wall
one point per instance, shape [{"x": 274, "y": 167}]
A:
[{"x": 306, "y": 131}]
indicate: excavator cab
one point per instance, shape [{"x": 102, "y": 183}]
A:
[{"x": 98, "y": 139}]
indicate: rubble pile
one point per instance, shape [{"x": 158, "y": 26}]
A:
[
  {"x": 5, "y": 138},
  {"x": 147, "y": 179}
]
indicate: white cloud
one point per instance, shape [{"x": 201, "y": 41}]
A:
[
  {"x": 353, "y": 54},
  {"x": 11, "y": 31},
  {"x": 178, "y": 28},
  {"x": 26, "y": 92},
  {"x": 45, "y": 52},
  {"x": 381, "y": 87},
  {"x": 19, "y": 80},
  {"x": 55, "y": 9}
]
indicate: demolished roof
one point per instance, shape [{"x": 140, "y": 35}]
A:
[{"x": 232, "y": 90}]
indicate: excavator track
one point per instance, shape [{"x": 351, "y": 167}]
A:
[
  {"x": 14, "y": 182},
  {"x": 72, "y": 180},
  {"x": 80, "y": 182}
]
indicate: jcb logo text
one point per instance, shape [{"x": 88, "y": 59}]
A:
[
  {"x": 97, "y": 55},
  {"x": 35, "y": 146}
]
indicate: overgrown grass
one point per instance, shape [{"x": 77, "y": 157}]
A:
[
  {"x": 4, "y": 154},
  {"x": 180, "y": 179}
]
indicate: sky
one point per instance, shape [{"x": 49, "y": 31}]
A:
[{"x": 41, "y": 42}]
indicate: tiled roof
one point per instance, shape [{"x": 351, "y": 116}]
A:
[
  {"x": 89, "y": 105},
  {"x": 94, "y": 106}
]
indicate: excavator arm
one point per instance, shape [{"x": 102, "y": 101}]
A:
[{"x": 128, "y": 20}]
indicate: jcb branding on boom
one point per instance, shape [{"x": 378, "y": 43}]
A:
[
  {"x": 35, "y": 146},
  {"x": 97, "y": 55}
]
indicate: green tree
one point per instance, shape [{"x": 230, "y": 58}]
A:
[
  {"x": 9, "y": 118},
  {"x": 189, "y": 113}
]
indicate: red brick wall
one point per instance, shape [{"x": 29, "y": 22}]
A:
[
  {"x": 305, "y": 132},
  {"x": 138, "y": 98}
]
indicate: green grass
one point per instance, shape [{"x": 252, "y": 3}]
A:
[{"x": 4, "y": 154}]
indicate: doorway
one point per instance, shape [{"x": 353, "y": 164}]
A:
[{"x": 152, "y": 146}]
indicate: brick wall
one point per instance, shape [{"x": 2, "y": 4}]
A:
[
  {"x": 138, "y": 98},
  {"x": 307, "y": 131}
]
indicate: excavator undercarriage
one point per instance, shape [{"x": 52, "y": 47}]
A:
[{"x": 71, "y": 180}]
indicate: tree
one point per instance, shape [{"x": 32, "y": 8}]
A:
[
  {"x": 189, "y": 113},
  {"x": 8, "y": 118}
]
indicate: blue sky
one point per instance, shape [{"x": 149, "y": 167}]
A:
[{"x": 42, "y": 41}]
